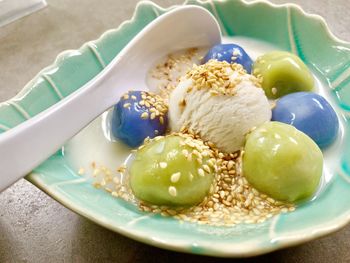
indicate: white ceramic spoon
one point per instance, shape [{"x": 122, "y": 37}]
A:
[{"x": 30, "y": 143}]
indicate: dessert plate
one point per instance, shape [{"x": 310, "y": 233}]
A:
[{"x": 284, "y": 26}]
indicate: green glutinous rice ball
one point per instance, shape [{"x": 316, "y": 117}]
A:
[
  {"x": 174, "y": 170},
  {"x": 282, "y": 162},
  {"x": 282, "y": 73}
]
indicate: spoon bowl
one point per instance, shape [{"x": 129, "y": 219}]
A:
[{"x": 30, "y": 143}]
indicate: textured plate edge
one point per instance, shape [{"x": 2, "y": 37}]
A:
[
  {"x": 317, "y": 233},
  {"x": 226, "y": 251}
]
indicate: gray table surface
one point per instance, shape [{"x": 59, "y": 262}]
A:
[{"x": 34, "y": 227}]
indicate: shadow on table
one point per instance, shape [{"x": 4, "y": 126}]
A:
[{"x": 93, "y": 243}]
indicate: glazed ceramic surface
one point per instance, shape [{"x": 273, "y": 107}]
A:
[{"x": 286, "y": 27}]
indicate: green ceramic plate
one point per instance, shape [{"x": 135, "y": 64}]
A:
[{"x": 287, "y": 27}]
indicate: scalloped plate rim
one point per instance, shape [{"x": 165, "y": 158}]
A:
[{"x": 323, "y": 230}]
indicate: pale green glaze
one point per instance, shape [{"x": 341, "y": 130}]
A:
[
  {"x": 284, "y": 26},
  {"x": 282, "y": 162},
  {"x": 149, "y": 182},
  {"x": 282, "y": 73}
]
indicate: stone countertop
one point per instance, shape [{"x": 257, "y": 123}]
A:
[{"x": 34, "y": 227}]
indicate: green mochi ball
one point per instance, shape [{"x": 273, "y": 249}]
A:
[
  {"x": 282, "y": 73},
  {"x": 163, "y": 174},
  {"x": 282, "y": 162}
]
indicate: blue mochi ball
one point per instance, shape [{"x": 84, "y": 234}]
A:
[
  {"x": 138, "y": 115},
  {"x": 230, "y": 53},
  {"x": 309, "y": 113}
]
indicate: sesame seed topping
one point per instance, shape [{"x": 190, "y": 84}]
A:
[
  {"x": 206, "y": 168},
  {"x": 121, "y": 169},
  {"x": 163, "y": 165},
  {"x": 200, "y": 172},
  {"x": 175, "y": 177},
  {"x": 144, "y": 115},
  {"x": 127, "y": 105},
  {"x": 274, "y": 91},
  {"x": 172, "y": 191},
  {"x": 185, "y": 152},
  {"x": 231, "y": 199},
  {"x": 81, "y": 171},
  {"x": 214, "y": 76},
  {"x": 161, "y": 120},
  {"x": 154, "y": 104},
  {"x": 235, "y": 52}
]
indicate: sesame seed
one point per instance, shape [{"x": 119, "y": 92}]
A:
[
  {"x": 161, "y": 120},
  {"x": 172, "y": 191},
  {"x": 185, "y": 152},
  {"x": 81, "y": 171},
  {"x": 235, "y": 52},
  {"x": 284, "y": 210},
  {"x": 206, "y": 168},
  {"x": 291, "y": 209},
  {"x": 230, "y": 164},
  {"x": 144, "y": 115},
  {"x": 195, "y": 152},
  {"x": 121, "y": 169},
  {"x": 222, "y": 194},
  {"x": 175, "y": 177},
  {"x": 96, "y": 172},
  {"x": 189, "y": 157},
  {"x": 200, "y": 172},
  {"x": 163, "y": 165},
  {"x": 127, "y": 105},
  {"x": 270, "y": 200},
  {"x": 103, "y": 182}
]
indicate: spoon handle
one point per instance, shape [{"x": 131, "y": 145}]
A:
[{"x": 30, "y": 143}]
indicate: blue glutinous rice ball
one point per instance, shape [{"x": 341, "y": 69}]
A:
[
  {"x": 230, "y": 53},
  {"x": 309, "y": 113},
  {"x": 138, "y": 115}
]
